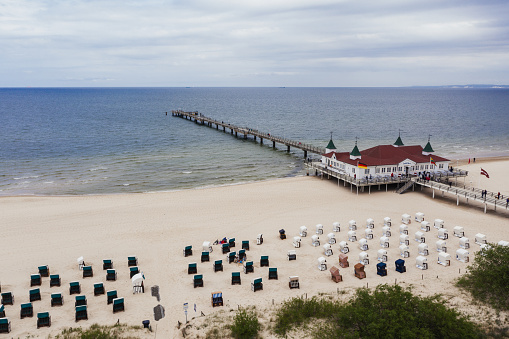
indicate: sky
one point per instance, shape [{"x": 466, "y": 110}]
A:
[{"x": 252, "y": 43}]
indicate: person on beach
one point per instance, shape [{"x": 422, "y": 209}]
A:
[
  {"x": 507, "y": 203},
  {"x": 498, "y": 196}
]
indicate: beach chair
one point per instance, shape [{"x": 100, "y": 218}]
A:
[
  {"x": 188, "y": 251},
  {"x": 352, "y": 236},
  {"x": 118, "y": 305},
  {"x": 439, "y": 223},
  {"x": 404, "y": 239},
  {"x": 111, "y": 275},
  {"x": 98, "y": 289},
  {"x": 343, "y": 247},
  {"x": 137, "y": 282},
  {"x": 7, "y": 298},
  {"x": 363, "y": 244},
  {"x": 503, "y": 243},
  {"x": 74, "y": 287},
  {"x": 364, "y": 258},
  {"x": 404, "y": 251},
  {"x": 352, "y": 225},
  {"x": 80, "y": 300},
  {"x": 87, "y": 271},
  {"x": 443, "y": 234},
  {"x": 441, "y": 246},
  {"x": 34, "y": 294},
  {"x": 382, "y": 255},
  {"x": 205, "y": 256},
  {"x": 368, "y": 232},
  {"x": 231, "y": 242},
  {"x": 315, "y": 240},
  {"x": 218, "y": 265},
  {"x": 400, "y": 266},
  {"x": 406, "y": 219},
  {"x": 296, "y": 241},
  {"x": 27, "y": 311},
  {"x": 110, "y": 295},
  {"x": 444, "y": 259},
  {"x": 44, "y": 271},
  {"x": 264, "y": 261},
  {"x": 81, "y": 313},
  {"x": 35, "y": 280},
  {"x": 425, "y": 226},
  {"x": 236, "y": 278},
  {"x": 192, "y": 268},
  {"x": 242, "y": 255},
  {"x": 419, "y": 217},
  {"x": 370, "y": 223},
  {"x": 459, "y": 231},
  {"x": 336, "y": 227},
  {"x": 331, "y": 238},
  {"x": 133, "y": 271},
  {"x": 322, "y": 264},
  {"x": 43, "y": 319},
  {"x": 464, "y": 243},
  {"x": 231, "y": 257},
  {"x": 259, "y": 239},
  {"x": 5, "y": 325},
  {"x": 484, "y": 247},
  {"x": 462, "y": 255},
  {"x": 207, "y": 247},
  {"x": 54, "y": 280},
  {"x": 319, "y": 229},
  {"x": 256, "y": 284},
  {"x": 327, "y": 250},
  {"x": 107, "y": 264},
  {"x": 292, "y": 255},
  {"x": 245, "y": 245},
  {"x": 293, "y": 282},
  {"x": 282, "y": 234},
  {"x": 248, "y": 267},
  {"x": 403, "y": 229},
  {"x": 216, "y": 299},
  {"x": 384, "y": 242},
  {"x": 2, "y": 311},
  {"x": 421, "y": 263},
  {"x": 81, "y": 263},
  {"x": 57, "y": 299},
  {"x": 273, "y": 273},
  {"x": 480, "y": 239},
  {"x": 335, "y": 276},
  {"x": 381, "y": 269},
  {"x": 343, "y": 260},
  {"x": 303, "y": 231},
  {"x": 132, "y": 261},
  {"x": 422, "y": 249},
  {"x": 419, "y": 237},
  {"x": 225, "y": 247},
  {"x": 386, "y": 231},
  {"x": 387, "y": 221},
  {"x": 359, "y": 271}
]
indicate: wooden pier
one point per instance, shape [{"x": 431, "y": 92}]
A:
[{"x": 246, "y": 131}]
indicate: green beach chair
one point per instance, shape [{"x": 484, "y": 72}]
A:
[
  {"x": 188, "y": 251},
  {"x": 264, "y": 261},
  {"x": 245, "y": 245},
  {"x": 257, "y": 285},
  {"x": 132, "y": 261},
  {"x": 43, "y": 319},
  {"x": 54, "y": 280},
  {"x": 57, "y": 299},
  {"x": 118, "y": 305},
  {"x": 44, "y": 271},
  {"x": 74, "y": 287},
  {"x": 198, "y": 280},
  {"x": 205, "y": 256},
  {"x": 110, "y": 295},
  {"x": 242, "y": 255},
  {"x": 2, "y": 311},
  {"x": 5, "y": 325},
  {"x": 35, "y": 280},
  {"x": 27, "y": 310},
  {"x": 87, "y": 271},
  {"x": 111, "y": 275},
  {"x": 218, "y": 265},
  {"x": 107, "y": 264},
  {"x": 98, "y": 289},
  {"x": 7, "y": 298},
  {"x": 236, "y": 278},
  {"x": 192, "y": 268},
  {"x": 248, "y": 267},
  {"x": 133, "y": 271},
  {"x": 34, "y": 294},
  {"x": 231, "y": 257},
  {"x": 225, "y": 247},
  {"x": 231, "y": 241},
  {"x": 81, "y": 313},
  {"x": 273, "y": 273},
  {"x": 80, "y": 300}
]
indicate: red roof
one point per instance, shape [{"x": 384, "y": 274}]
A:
[{"x": 387, "y": 155}]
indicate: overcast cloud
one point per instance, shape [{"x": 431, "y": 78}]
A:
[{"x": 253, "y": 42}]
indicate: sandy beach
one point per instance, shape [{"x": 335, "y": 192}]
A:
[{"x": 156, "y": 227}]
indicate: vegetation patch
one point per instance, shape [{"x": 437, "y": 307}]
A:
[
  {"x": 245, "y": 324},
  {"x": 95, "y": 331}
]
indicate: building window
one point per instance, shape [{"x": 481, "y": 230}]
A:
[
  {"x": 353, "y": 170},
  {"x": 383, "y": 169},
  {"x": 426, "y": 166},
  {"x": 394, "y": 169},
  {"x": 440, "y": 165},
  {"x": 366, "y": 171},
  {"x": 377, "y": 170},
  {"x": 400, "y": 169}
]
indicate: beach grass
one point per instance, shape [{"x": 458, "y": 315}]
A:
[{"x": 95, "y": 331}]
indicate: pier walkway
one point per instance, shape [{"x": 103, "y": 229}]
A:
[{"x": 246, "y": 131}]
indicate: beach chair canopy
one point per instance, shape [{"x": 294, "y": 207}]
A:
[
  {"x": 331, "y": 236},
  {"x": 370, "y": 222},
  {"x": 282, "y": 231},
  {"x": 335, "y": 226},
  {"x": 382, "y": 252},
  {"x": 321, "y": 261},
  {"x": 422, "y": 246},
  {"x": 314, "y": 238},
  {"x": 363, "y": 242},
  {"x": 419, "y": 216},
  {"x": 439, "y": 223},
  {"x": 334, "y": 271},
  {"x": 327, "y": 247},
  {"x": 217, "y": 295},
  {"x": 480, "y": 238},
  {"x": 42, "y": 315},
  {"x": 352, "y": 223},
  {"x": 80, "y": 261},
  {"x": 442, "y": 256},
  {"x": 420, "y": 260},
  {"x": 137, "y": 279},
  {"x": 503, "y": 243},
  {"x": 235, "y": 274},
  {"x": 296, "y": 239},
  {"x": 387, "y": 221},
  {"x": 381, "y": 265},
  {"x": 343, "y": 244},
  {"x": 363, "y": 255}
]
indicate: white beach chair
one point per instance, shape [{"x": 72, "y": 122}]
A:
[
  {"x": 443, "y": 234},
  {"x": 343, "y": 247},
  {"x": 423, "y": 249},
  {"x": 387, "y": 221},
  {"x": 292, "y": 255},
  {"x": 352, "y": 236},
  {"x": 403, "y": 229},
  {"x": 462, "y": 255},
  {"x": 439, "y": 223},
  {"x": 319, "y": 229},
  {"x": 259, "y": 239},
  {"x": 425, "y": 226},
  {"x": 369, "y": 233},
  {"x": 441, "y": 246},
  {"x": 480, "y": 239},
  {"x": 404, "y": 240},
  {"x": 293, "y": 281},
  {"x": 406, "y": 219},
  {"x": 364, "y": 258},
  {"x": 296, "y": 242},
  {"x": 207, "y": 247},
  {"x": 444, "y": 259},
  {"x": 336, "y": 227},
  {"x": 464, "y": 243},
  {"x": 370, "y": 223},
  {"x": 421, "y": 263},
  {"x": 459, "y": 231},
  {"x": 331, "y": 238},
  {"x": 137, "y": 282},
  {"x": 303, "y": 231},
  {"x": 322, "y": 264},
  {"x": 382, "y": 255},
  {"x": 352, "y": 225},
  {"x": 484, "y": 247},
  {"x": 404, "y": 251},
  {"x": 384, "y": 242},
  {"x": 419, "y": 217},
  {"x": 386, "y": 231},
  {"x": 315, "y": 240},
  {"x": 363, "y": 244},
  {"x": 503, "y": 243},
  {"x": 81, "y": 263},
  {"x": 327, "y": 250},
  {"x": 419, "y": 237}
]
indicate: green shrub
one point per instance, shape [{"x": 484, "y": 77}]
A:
[
  {"x": 245, "y": 325},
  {"x": 488, "y": 277}
]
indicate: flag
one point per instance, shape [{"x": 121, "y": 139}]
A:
[
  {"x": 432, "y": 161},
  {"x": 483, "y": 172},
  {"x": 361, "y": 165}
]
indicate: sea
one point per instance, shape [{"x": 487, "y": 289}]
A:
[{"x": 86, "y": 141}]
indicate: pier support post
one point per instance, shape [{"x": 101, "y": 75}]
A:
[
  {"x": 217, "y": 126},
  {"x": 369, "y": 188},
  {"x": 261, "y": 141},
  {"x": 485, "y": 207},
  {"x": 245, "y": 136},
  {"x": 236, "y": 134},
  {"x": 254, "y": 137},
  {"x": 306, "y": 155},
  {"x": 288, "y": 149},
  {"x": 457, "y": 200},
  {"x": 433, "y": 194},
  {"x": 231, "y": 131},
  {"x": 224, "y": 129},
  {"x": 274, "y": 144}
]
